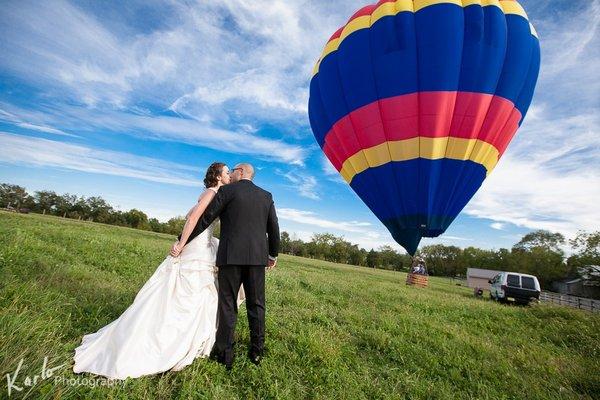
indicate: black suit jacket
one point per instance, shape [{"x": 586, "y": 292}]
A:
[{"x": 249, "y": 226}]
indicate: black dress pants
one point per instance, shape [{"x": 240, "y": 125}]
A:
[{"x": 230, "y": 278}]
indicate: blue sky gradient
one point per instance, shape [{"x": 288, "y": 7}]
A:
[{"x": 133, "y": 100}]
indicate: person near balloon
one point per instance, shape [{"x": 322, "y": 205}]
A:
[
  {"x": 419, "y": 267},
  {"x": 173, "y": 318},
  {"x": 248, "y": 218}
]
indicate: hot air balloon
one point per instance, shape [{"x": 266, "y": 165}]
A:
[{"x": 415, "y": 101}]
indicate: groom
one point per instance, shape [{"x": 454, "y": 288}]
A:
[{"x": 247, "y": 217}]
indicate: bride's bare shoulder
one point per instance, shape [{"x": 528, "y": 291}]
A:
[{"x": 206, "y": 192}]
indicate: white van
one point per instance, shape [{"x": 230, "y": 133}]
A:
[{"x": 513, "y": 286}]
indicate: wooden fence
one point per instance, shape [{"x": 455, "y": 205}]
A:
[{"x": 571, "y": 301}]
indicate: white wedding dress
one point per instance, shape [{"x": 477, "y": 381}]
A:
[{"x": 172, "y": 320}]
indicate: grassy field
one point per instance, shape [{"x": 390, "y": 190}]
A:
[{"x": 333, "y": 331}]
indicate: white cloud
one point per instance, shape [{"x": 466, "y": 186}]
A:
[
  {"x": 198, "y": 64},
  {"x": 523, "y": 193},
  {"x": 550, "y": 176},
  {"x": 303, "y": 184},
  {"x": 498, "y": 226},
  {"x": 30, "y": 151},
  {"x": 256, "y": 54},
  {"x": 311, "y": 218},
  {"x": 227, "y": 65},
  {"x": 12, "y": 119},
  {"x": 165, "y": 128}
]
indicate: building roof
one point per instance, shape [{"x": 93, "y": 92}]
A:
[
  {"x": 589, "y": 272},
  {"x": 481, "y": 273}
]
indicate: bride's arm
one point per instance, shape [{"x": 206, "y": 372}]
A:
[
  {"x": 194, "y": 207},
  {"x": 194, "y": 215}
]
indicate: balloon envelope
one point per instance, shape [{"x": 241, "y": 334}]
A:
[{"x": 415, "y": 101}]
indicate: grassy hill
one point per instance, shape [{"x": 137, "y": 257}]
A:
[{"x": 333, "y": 331}]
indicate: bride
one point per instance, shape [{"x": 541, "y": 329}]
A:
[{"x": 173, "y": 318}]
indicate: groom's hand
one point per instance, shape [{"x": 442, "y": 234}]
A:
[
  {"x": 175, "y": 249},
  {"x": 272, "y": 263}
]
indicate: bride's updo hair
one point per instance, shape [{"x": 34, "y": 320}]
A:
[{"x": 215, "y": 169}]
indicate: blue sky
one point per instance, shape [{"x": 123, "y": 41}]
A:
[{"x": 132, "y": 100}]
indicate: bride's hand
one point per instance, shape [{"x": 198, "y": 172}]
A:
[{"x": 175, "y": 250}]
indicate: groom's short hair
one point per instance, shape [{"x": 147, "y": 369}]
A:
[{"x": 248, "y": 169}]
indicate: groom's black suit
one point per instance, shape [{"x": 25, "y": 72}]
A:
[{"x": 249, "y": 235}]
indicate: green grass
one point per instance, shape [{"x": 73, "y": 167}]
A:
[{"x": 333, "y": 331}]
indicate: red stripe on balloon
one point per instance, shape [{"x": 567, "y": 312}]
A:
[{"x": 467, "y": 115}]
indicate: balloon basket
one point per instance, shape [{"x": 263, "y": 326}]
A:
[{"x": 417, "y": 280}]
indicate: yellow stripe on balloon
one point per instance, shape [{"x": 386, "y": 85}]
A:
[
  {"x": 391, "y": 8},
  {"x": 453, "y": 148},
  {"x": 420, "y": 4},
  {"x": 512, "y": 7},
  {"x": 398, "y": 6}
]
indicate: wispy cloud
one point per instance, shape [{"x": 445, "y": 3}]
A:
[
  {"x": 303, "y": 184},
  {"x": 311, "y": 218},
  {"x": 550, "y": 176},
  {"x": 72, "y": 54},
  {"x": 165, "y": 128},
  {"x": 215, "y": 74},
  {"x": 522, "y": 193},
  {"x": 254, "y": 56},
  {"x": 30, "y": 151},
  {"x": 11, "y": 119},
  {"x": 305, "y": 223}
]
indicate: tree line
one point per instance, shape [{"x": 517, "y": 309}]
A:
[
  {"x": 539, "y": 253},
  {"x": 93, "y": 208}
]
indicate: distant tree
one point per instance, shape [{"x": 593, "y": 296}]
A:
[
  {"x": 540, "y": 253},
  {"x": 473, "y": 257},
  {"x": 175, "y": 225},
  {"x": 118, "y": 218},
  {"x": 357, "y": 256},
  {"x": 321, "y": 246},
  {"x": 586, "y": 248},
  {"x": 99, "y": 210},
  {"x": 155, "y": 225},
  {"x": 81, "y": 209},
  {"x": 388, "y": 258},
  {"x": 65, "y": 203},
  {"x": 298, "y": 247},
  {"x": 339, "y": 250},
  {"x": 373, "y": 260},
  {"x": 45, "y": 201},
  {"x": 586, "y": 253},
  {"x": 137, "y": 219},
  {"x": 541, "y": 239},
  {"x": 14, "y": 196},
  {"x": 285, "y": 242},
  {"x": 442, "y": 260},
  {"x": 502, "y": 259},
  {"x": 547, "y": 265}
]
